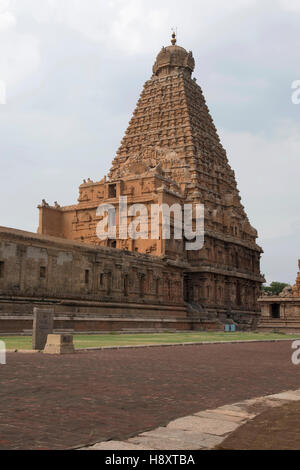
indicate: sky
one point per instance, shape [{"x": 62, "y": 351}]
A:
[{"x": 71, "y": 72}]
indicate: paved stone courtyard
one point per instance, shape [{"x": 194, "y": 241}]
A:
[{"x": 51, "y": 402}]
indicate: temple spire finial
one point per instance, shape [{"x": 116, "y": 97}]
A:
[{"x": 174, "y": 40}]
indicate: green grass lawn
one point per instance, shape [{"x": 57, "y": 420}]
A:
[{"x": 92, "y": 341}]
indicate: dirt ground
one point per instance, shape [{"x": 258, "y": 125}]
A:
[{"x": 275, "y": 429}]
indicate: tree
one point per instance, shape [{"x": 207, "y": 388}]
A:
[{"x": 275, "y": 288}]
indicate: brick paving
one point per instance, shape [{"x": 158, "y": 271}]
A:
[{"x": 61, "y": 402}]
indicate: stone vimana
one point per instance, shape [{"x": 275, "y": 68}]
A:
[{"x": 170, "y": 154}]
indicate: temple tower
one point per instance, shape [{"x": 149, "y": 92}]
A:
[{"x": 171, "y": 153}]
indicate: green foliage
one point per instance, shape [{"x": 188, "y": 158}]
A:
[{"x": 275, "y": 288}]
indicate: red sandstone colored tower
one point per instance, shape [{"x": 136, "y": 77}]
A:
[{"x": 171, "y": 153}]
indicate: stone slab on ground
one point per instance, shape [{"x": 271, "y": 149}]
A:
[
  {"x": 219, "y": 415},
  {"x": 212, "y": 429},
  {"x": 234, "y": 410},
  {"x": 217, "y": 427},
  {"x": 116, "y": 445},
  {"x": 289, "y": 396},
  {"x": 170, "y": 439}
]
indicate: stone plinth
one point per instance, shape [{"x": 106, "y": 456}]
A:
[
  {"x": 59, "y": 344},
  {"x": 42, "y": 327}
]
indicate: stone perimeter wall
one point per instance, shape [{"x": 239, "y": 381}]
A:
[
  {"x": 90, "y": 288},
  {"x": 105, "y": 289}
]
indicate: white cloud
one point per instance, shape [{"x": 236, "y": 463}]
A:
[
  {"x": 7, "y": 19},
  {"x": 267, "y": 170},
  {"x": 19, "y": 52},
  {"x": 122, "y": 24},
  {"x": 290, "y": 5},
  {"x": 133, "y": 26},
  {"x": 2, "y": 92}
]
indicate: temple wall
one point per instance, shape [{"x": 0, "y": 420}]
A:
[
  {"x": 37, "y": 266},
  {"x": 106, "y": 289},
  {"x": 85, "y": 281},
  {"x": 227, "y": 295},
  {"x": 222, "y": 291},
  {"x": 50, "y": 222},
  {"x": 79, "y": 223},
  {"x": 226, "y": 252}
]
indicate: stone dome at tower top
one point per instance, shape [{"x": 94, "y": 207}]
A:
[{"x": 172, "y": 58}]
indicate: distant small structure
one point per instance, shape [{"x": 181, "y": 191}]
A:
[{"x": 282, "y": 312}]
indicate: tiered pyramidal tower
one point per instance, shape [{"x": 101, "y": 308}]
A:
[
  {"x": 172, "y": 130},
  {"x": 171, "y": 126},
  {"x": 171, "y": 153}
]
